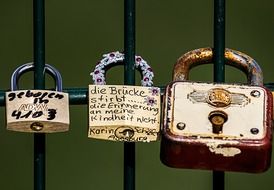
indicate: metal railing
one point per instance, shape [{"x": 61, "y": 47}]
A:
[
  {"x": 78, "y": 96},
  {"x": 219, "y": 67}
]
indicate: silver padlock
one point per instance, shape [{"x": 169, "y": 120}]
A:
[
  {"x": 120, "y": 112},
  {"x": 37, "y": 111}
]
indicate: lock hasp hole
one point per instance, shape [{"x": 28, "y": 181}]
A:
[
  {"x": 205, "y": 73},
  {"x": 233, "y": 75},
  {"x": 113, "y": 75},
  {"x": 201, "y": 73}
]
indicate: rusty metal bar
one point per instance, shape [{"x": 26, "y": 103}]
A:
[{"x": 233, "y": 58}]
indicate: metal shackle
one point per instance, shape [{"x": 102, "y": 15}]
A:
[
  {"x": 205, "y": 56},
  {"x": 98, "y": 75},
  {"x": 29, "y": 67}
]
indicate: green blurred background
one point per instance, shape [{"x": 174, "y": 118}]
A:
[{"x": 77, "y": 34}]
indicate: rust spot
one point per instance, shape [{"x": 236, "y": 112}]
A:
[{"x": 205, "y": 56}]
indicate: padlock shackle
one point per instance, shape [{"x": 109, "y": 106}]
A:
[
  {"x": 205, "y": 56},
  {"x": 117, "y": 58},
  {"x": 19, "y": 71}
]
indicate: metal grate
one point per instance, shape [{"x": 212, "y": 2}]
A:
[{"x": 78, "y": 96}]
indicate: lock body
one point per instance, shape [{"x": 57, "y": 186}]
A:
[
  {"x": 121, "y": 112},
  {"x": 39, "y": 111},
  {"x": 124, "y": 113},
  {"x": 217, "y": 127}
]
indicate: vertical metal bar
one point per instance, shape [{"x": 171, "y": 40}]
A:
[
  {"x": 218, "y": 180},
  {"x": 219, "y": 41},
  {"x": 129, "y": 79},
  {"x": 219, "y": 68},
  {"x": 39, "y": 83}
]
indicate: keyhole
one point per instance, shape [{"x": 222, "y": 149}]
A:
[
  {"x": 127, "y": 133},
  {"x": 217, "y": 119},
  {"x": 124, "y": 132},
  {"x": 36, "y": 126}
]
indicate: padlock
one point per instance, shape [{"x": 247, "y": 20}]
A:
[
  {"x": 37, "y": 111},
  {"x": 121, "y": 112},
  {"x": 222, "y": 127}
]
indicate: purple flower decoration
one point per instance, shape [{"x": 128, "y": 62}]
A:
[
  {"x": 154, "y": 91},
  {"x": 150, "y": 101},
  {"x": 99, "y": 80},
  {"x": 147, "y": 80},
  {"x": 98, "y": 75}
]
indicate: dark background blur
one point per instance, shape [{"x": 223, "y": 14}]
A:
[{"x": 77, "y": 34}]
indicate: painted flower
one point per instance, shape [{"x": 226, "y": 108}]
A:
[
  {"x": 155, "y": 91},
  {"x": 99, "y": 81},
  {"x": 111, "y": 57},
  {"x": 147, "y": 79},
  {"x": 98, "y": 71},
  {"x": 138, "y": 61},
  {"x": 119, "y": 55},
  {"x": 98, "y": 78},
  {"x": 150, "y": 101}
]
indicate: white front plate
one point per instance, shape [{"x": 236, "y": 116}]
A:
[{"x": 191, "y": 104}]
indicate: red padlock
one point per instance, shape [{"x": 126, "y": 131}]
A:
[{"x": 224, "y": 127}]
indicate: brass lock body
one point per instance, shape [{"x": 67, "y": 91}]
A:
[
  {"x": 224, "y": 127},
  {"x": 37, "y": 111}
]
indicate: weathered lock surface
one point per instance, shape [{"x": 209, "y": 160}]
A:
[
  {"x": 37, "y": 111},
  {"x": 121, "y": 112},
  {"x": 224, "y": 127}
]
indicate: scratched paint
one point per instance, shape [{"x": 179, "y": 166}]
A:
[{"x": 225, "y": 151}]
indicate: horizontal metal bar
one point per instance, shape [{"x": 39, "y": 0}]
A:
[
  {"x": 79, "y": 96},
  {"x": 270, "y": 86}
]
